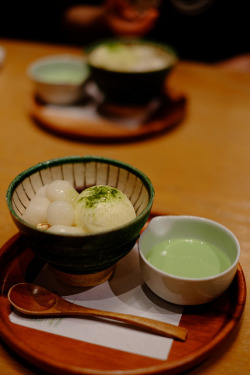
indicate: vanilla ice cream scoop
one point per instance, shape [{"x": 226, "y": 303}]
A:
[{"x": 101, "y": 208}]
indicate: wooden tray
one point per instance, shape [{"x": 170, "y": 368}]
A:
[
  {"x": 94, "y": 119},
  {"x": 209, "y": 327}
]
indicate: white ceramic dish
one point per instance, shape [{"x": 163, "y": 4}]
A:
[
  {"x": 187, "y": 290},
  {"x": 59, "y": 79}
]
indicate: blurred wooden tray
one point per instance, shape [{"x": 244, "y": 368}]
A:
[
  {"x": 94, "y": 119},
  {"x": 209, "y": 327}
]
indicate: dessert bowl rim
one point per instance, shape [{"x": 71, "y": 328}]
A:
[{"x": 164, "y": 47}]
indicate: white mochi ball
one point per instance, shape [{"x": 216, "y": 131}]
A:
[
  {"x": 65, "y": 229},
  {"x": 61, "y": 213},
  {"x": 42, "y": 191},
  {"x": 36, "y": 212},
  {"x": 61, "y": 190}
]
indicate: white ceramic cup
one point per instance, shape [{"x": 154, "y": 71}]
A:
[
  {"x": 59, "y": 79},
  {"x": 186, "y": 290}
]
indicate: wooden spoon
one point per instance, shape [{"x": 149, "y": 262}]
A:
[{"x": 34, "y": 300}]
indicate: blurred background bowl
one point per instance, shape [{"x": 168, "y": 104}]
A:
[
  {"x": 88, "y": 259},
  {"x": 188, "y": 290},
  {"x": 59, "y": 79},
  {"x": 130, "y": 70}
]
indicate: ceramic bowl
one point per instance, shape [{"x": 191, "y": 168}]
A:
[
  {"x": 85, "y": 259},
  {"x": 130, "y": 77},
  {"x": 188, "y": 290},
  {"x": 59, "y": 79}
]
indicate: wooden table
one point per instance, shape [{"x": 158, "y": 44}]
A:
[{"x": 201, "y": 167}]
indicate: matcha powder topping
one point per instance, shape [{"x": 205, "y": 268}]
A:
[{"x": 100, "y": 193}]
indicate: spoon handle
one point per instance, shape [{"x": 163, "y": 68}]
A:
[
  {"x": 151, "y": 325},
  {"x": 155, "y": 326}
]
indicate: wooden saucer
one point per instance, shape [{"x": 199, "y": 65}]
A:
[
  {"x": 95, "y": 119},
  {"x": 210, "y": 329}
]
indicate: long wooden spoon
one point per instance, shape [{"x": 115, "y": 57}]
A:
[{"x": 37, "y": 301}]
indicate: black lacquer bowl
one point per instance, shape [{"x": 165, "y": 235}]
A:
[
  {"x": 124, "y": 82},
  {"x": 85, "y": 259}
]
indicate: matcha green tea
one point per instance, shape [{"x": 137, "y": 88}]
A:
[
  {"x": 63, "y": 73},
  {"x": 188, "y": 258},
  {"x": 67, "y": 76}
]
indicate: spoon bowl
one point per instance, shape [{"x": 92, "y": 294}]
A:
[{"x": 34, "y": 300}]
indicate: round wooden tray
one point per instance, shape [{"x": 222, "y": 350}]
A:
[
  {"x": 95, "y": 119},
  {"x": 208, "y": 329}
]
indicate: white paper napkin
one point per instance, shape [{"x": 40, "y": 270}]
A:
[{"x": 125, "y": 292}]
